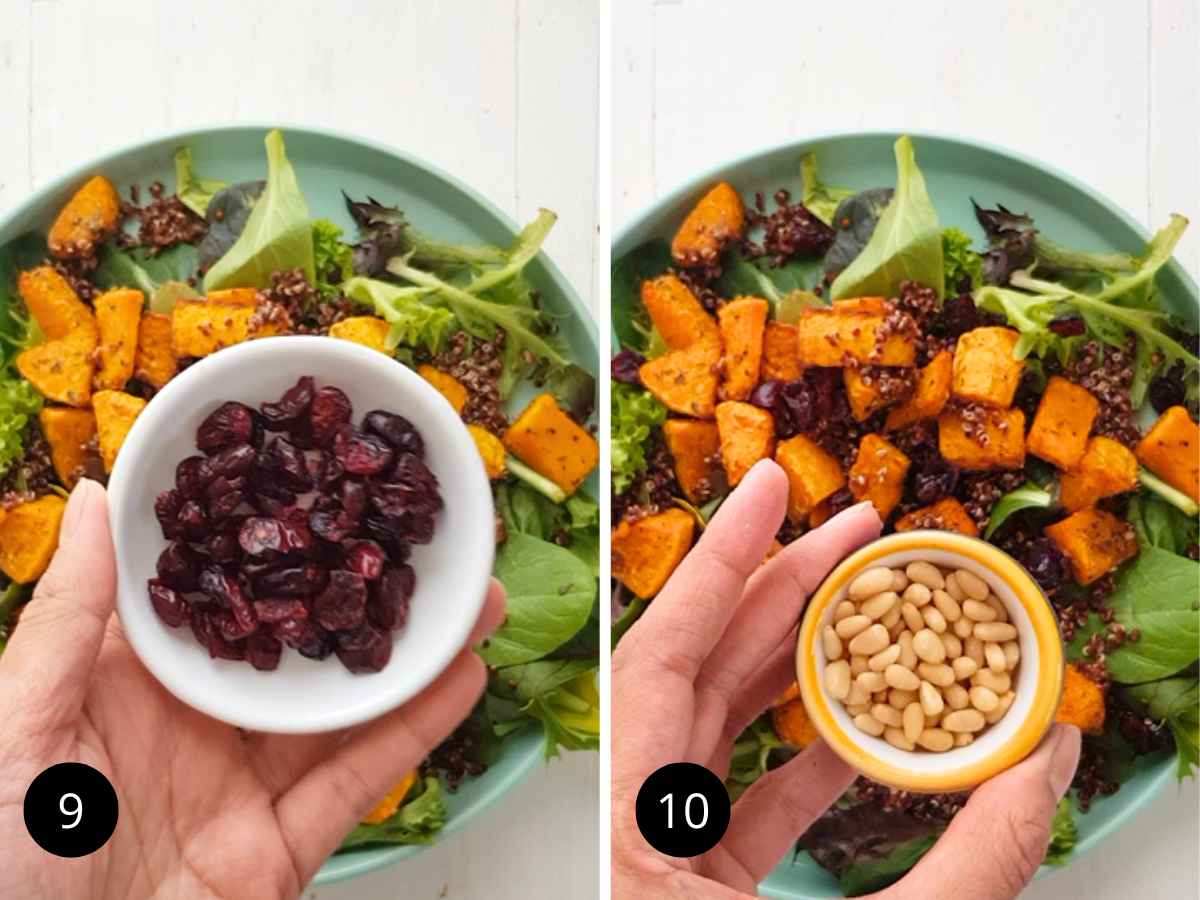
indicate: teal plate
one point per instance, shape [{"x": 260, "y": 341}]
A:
[
  {"x": 326, "y": 164},
  {"x": 955, "y": 170}
]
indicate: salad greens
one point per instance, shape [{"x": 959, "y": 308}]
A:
[
  {"x": 961, "y": 264},
  {"x": 19, "y": 404},
  {"x": 417, "y": 821},
  {"x": 819, "y": 199},
  {"x": 414, "y": 323},
  {"x": 631, "y": 324},
  {"x": 333, "y": 259},
  {"x": 634, "y": 414},
  {"x": 1063, "y": 834},
  {"x": 1175, "y": 701},
  {"x": 194, "y": 192},
  {"x": 1027, "y": 496}
]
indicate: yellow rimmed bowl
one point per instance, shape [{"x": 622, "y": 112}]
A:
[{"x": 1038, "y": 686}]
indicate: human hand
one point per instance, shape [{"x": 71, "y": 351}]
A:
[
  {"x": 206, "y": 810},
  {"x": 708, "y": 656}
]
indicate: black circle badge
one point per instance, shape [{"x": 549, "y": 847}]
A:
[
  {"x": 71, "y": 810},
  {"x": 682, "y": 810}
]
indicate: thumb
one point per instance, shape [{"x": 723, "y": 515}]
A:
[
  {"x": 53, "y": 650},
  {"x": 995, "y": 844}
]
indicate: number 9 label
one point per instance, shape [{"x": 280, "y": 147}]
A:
[
  {"x": 70, "y": 810},
  {"x": 683, "y": 810}
]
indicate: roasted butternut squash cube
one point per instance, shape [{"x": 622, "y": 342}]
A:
[
  {"x": 370, "y": 331},
  {"x": 717, "y": 219},
  {"x": 69, "y": 432},
  {"x": 1082, "y": 703},
  {"x": 115, "y": 412},
  {"x": 872, "y": 388},
  {"x": 747, "y": 435},
  {"x": 742, "y": 322},
  {"x": 828, "y": 337},
  {"x": 1094, "y": 541},
  {"x": 118, "y": 313},
  {"x": 1108, "y": 467},
  {"x": 985, "y": 370},
  {"x": 1063, "y": 421},
  {"x": 62, "y": 370},
  {"x": 676, "y": 313},
  {"x": 695, "y": 446},
  {"x": 928, "y": 398},
  {"x": 779, "y": 359},
  {"x": 946, "y": 514},
  {"x": 447, "y": 385},
  {"x": 994, "y": 440},
  {"x": 238, "y": 296},
  {"x": 387, "y": 807},
  {"x": 646, "y": 552},
  {"x": 52, "y": 302},
  {"x": 199, "y": 328},
  {"x": 154, "y": 362},
  {"x": 491, "y": 451},
  {"x": 792, "y": 724},
  {"x": 876, "y": 306},
  {"x": 820, "y": 514},
  {"x": 1171, "y": 450},
  {"x": 90, "y": 216},
  {"x": 878, "y": 474},
  {"x": 551, "y": 443},
  {"x": 29, "y": 537},
  {"x": 685, "y": 381},
  {"x": 812, "y": 474}
]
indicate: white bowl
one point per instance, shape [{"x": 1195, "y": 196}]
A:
[{"x": 303, "y": 695}]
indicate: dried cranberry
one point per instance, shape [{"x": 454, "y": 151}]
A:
[
  {"x": 390, "y": 533},
  {"x": 330, "y": 410},
  {"x": 178, "y": 567},
  {"x": 309, "y": 639},
  {"x": 414, "y": 474},
  {"x": 225, "y": 495},
  {"x": 958, "y": 315},
  {"x": 220, "y": 648},
  {"x": 170, "y": 607},
  {"x": 327, "y": 524},
  {"x": 1167, "y": 390},
  {"x": 234, "y": 461},
  {"x": 625, "y": 367},
  {"x": 192, "y": 476},
  {"x": 263, "y": 651},
  {"x": 328, "y": 471},
  {"x": 166, "y": 510},
  {"x": 366, "y": 558},
  {"x": 353, "y": 495},
  {"x": 933, "y": 480},
  {"x": 796, "y": 407},
  {"x": 1142, "y": 733},
  {"x": 343, "y": 603},
  {"x": 361, "y": 454},
  {"x": 400, "y": 433},
  {"x": 289, "y": 581},
  {"x": 365, "y": 649},
  {"x": 228, "y": 626},
  {"x": 289, "y": 465},
  {"x": 242, "y": 608},
  {"x": 766, "y": 394},
  {"x": 193, "y": 522},
  {"x": 230, "y": 423},
  {"x": 394, "y": 500},
  {"x": 1046, "y": 564},
  {"x": 387, "y": 608},
  {"x": 276, "y": 610},
  {"x": 1067, "y": 327},
  {"x": 223, "y": 547},
  {"x": 291, "y": 407},
  {"x": 203, "y": 630}
]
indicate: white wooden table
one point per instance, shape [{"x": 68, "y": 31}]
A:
[
  {"x": 1107, "y": 91},
  {"x": 501, "y": 94}
]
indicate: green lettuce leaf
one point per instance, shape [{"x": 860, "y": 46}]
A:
[
  {"x": 751, "y": 756},
  {"x": 193, "y": 192},
  {"x": 906, "y": 244},
  {"x": 1027, "y": 496},
  {"x": 1156, "y": 594},
  {"x": 635, "y": 413},
  {"x": 278, "y": 233},
  {"x": 416, "y": 822},
  {"x": 1063, "y": 834},
  {"x": 19, "y": 404},
  {"x": 561, "y": 694},
  {"x": 414, "y": 322},
  {"x": 819, "y": 199}
]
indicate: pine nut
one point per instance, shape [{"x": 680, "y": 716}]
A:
[
  {"x": 879, "y": 605},
  {"x": 869, "y": 583},
  {"x": 932, "y": 702},
  {"x": 1012, "y": 653},
  {"x": 952, "y": 644},
  {"x": 896, "y": 627},
  {"x": 995, "y": 658},
  {"x": 917, "y": 594},
  {"x": 936, "y": 739},
  {"x": 898, "y": 739},
  {"x": 884, "y": 658},
  {"x": 857, "y": 709},
  {"x": 913, "y": 720},
  {"x": 868, "y": 723},
  {"x": 997, "y": 683},
  {"x": 849, "y": 627},
  {"x": 899, "y": 580},
  {"x": 964, "y": 720},
  {"x": 954, "y": 589},
  {"x": 973, "y": 647},
  {"x": 956, "y": 697},
  {"x": 859, "y": 664},
  {"x": 870, "y": 641},
  {"x": 899, "y": 699},
  {"x": 925, "y": 573},
  {"x": 962, "y": 628},
  {"x": 908, "y": 656},
  {"x": 979, "y": 612},
  {"x": 974, "y": 586},
  {"x": 1006, "y": 701},
  {"x": 964, "y": 667},
  {"x": 941, "y": 675},
  {"x": 934, "y": 619},
  {"x": 983, "y": 699},
  {"x": 928, "y": 646},
  {"x": 844, "y": 610},
  {"x": 857, "y": 696},
  {"x": 901, "y": 678},
  {"x": 837, "y": 679},
  {"x": 947, "y": 606},
  {"x": 963, "y": 738},
  {"x": 994, "y": 631},
  {"x": 912, "y": 617},
  {"x": 831, "y": 644},
  {"x": 1000, "y": 608},
  {"x": 870, "y": 682},
  {"x": 888, "y": 716},
  {"x": 891, "y": 618}
]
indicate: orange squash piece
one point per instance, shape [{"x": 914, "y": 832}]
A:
[
  {"x": 828, "y": 337},
  {"x": 812, "y": 474},
  {"x": 742, "y": 323},
  {"x": 865, "y": 389},
  {"x": 62, "y": 370},
  {"x": 154, "y": 362},
  {"x": 69, "y": 432},
  {"x": 985, "y": 370},
  {"x": 1082, "y": 703},
  {"x": 1108, "y": 467},
  {"x": 676, "y": 313},
  {"x": 1003, "y": 436},
  {"x": 1094, "y": 541},
  {"x": 52, "y": 302},
  {"x": 792, "y": 724},
  {"x": 553, "y": 444},
  {"x": 115, "y": 413},
  {"x": 779, "y": 359},
  {"x": 238, "y": 296},
  {"x": 447, "y": 385},
  {"x": 946, "y": 514},
  {"x": 820, "y": 514},
  {"x": 747, "y": 435},
  {"x": 90, "y": 216},
  {"x": 646, "y": 552},
  {"x": 386, "y": 808},
  {"x": 696, "y": 448},
  {"x": 118, "y": 313},
  {"x": 1063, "y": 421},
  {"x": 199, "y": 327},
  {"x": 685, "y": 381},
  {"x": 717, "y": 219},
  {"x": 29, "y": 537},
  {"x": 370, "y": 331},
  {"x": 878, "y": 474},
  {"x": 491, "y": 451},
  {"x": 929, "y": 397},
  {"x": 1171, "y": 450}
]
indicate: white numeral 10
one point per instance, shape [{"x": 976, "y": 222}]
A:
[
  {"x": 669, "y": 800},
  {"x": 77, "y": 812}
]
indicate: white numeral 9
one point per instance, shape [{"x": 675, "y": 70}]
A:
[{"x": 77, "y": 812}]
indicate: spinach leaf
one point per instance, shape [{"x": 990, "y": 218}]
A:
[
  {"x": 854, "y": 223},
  {"x": 1027, "y": 496},
  {"x": 906, "y": 244},
  {"x": 550, "y": 596},
  {"x": 635, "y": 414},
  {"x": 135, "y": 268},
  {"x": 414, "y": 322},
  {"x": 630, "y": 322},
  {"x": 561, "y": 694},
  {"x": 1160, "y": 524},
  {"x": 416, "y": 822},
  {"x": 1156, "y": 594},
  {"x": 1175, "y": 701},
  {"x": 194, "y": 192},
  {"x": 819, "y": 199},
  {"x": 525, "y": 511},
  {"x": 575, "y": 390},
  {"x": 228, "y": 212},
  {"x": 867, "y": 874},
  {"x": 751, "y": 756},
  {"x": 1063, "y": 834},
  {"x": 277, "y": 235},
  {"x": 759, "y": 278}
]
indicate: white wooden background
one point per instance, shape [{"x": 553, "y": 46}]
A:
[
  {"x": 1105, "y": 90},
  {"x": 501, "y": 93}
]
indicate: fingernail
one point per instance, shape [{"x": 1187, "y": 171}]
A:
[
  {"x": 1064, "y": 759},
  {"x": 73, "y": 514}
]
